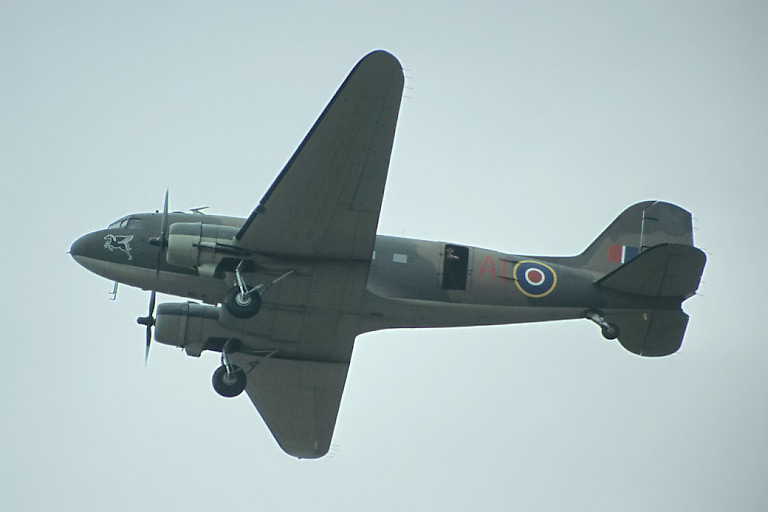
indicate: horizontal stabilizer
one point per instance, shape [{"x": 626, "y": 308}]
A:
[
  {"x": 652, "y": 333},
  {"x": 667, "y": 270}
]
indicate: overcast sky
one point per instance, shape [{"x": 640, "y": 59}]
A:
[{"x": 526, "y": 128}]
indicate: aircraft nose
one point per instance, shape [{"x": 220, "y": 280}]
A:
[
  {"x": 85, "y": 247},
  {"x": 78, "y": 247}
]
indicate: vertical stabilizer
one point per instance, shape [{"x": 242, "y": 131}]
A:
[{"x": 639, "y": 227}]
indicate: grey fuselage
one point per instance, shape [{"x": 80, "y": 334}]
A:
[{"x": 411, "y": 283}]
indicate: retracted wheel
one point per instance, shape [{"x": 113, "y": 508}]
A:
[
  {"x": 610, "y": 331},
  {"x": 242, "y": 305},
  {"x": 229, "y": 384}
]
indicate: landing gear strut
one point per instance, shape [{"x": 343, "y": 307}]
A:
[
  {"x": 610, "y": 331},
  {"x": 228, "y": 379}
]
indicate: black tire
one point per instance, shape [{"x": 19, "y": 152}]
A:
[
  {"x": 240, "y": 308},
  {"x": 611, "y": 332},
  {"x": 229, "y": 386}
]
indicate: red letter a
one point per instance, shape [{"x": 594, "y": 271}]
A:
[{"x": 487, "y": 266}]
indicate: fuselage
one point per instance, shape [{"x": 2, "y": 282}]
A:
[{"x": 411, "y": 283}]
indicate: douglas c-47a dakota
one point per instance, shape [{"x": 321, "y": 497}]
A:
[{"x": 283, "y": 294}]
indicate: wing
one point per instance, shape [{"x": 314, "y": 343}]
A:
[
  {"x": 326, "y": 201},
  {"x": 298, "y": 390},
  {"x": 299, "y": 400}
]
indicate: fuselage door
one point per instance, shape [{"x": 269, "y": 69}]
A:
[{"x": 455, "y": 267}]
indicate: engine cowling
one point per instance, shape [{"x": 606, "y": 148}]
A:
[
  {"x": 201, "y": 246},
  {"x": 191, "y": 326}
]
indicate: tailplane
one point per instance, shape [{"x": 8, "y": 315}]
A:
[
  {"x": 652, "y": 333},
  {"x": 667, "y": 270}
]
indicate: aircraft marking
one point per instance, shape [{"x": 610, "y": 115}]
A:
[
  {"x": 120, "y": 243},
  {"x": 534, "y": 279},
  {"x": 621, "y": 253},
  {"x": 488, "y": 266}
]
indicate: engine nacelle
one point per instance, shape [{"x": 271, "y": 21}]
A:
[
  {"x": 202, "y": 246},
  {"x": 191, "y": 326}
]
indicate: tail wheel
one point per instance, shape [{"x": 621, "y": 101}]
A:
[
  {"x": 229, "y": 384},
  {"x": 242, "y": 305},
  {"x": 610, "y": 331}
]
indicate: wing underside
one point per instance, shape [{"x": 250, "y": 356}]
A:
[
  {"x": 298, "y": 400},
  {"x": 321, "y": 211},
  {"x": 326, "y": 201}
]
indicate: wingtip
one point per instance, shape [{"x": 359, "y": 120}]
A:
[{"x": 381, "y": 57}]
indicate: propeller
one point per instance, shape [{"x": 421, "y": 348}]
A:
[
  {"x": 149, "y": 321},
  {"x": 163, "y": 240}
]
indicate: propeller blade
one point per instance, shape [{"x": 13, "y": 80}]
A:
[
  {"x": 163, "y": 240},
  {"x": 149, "y": 321},
  {"x": 149, "y": 341},
  {"x": 164, "y": 222},
  {"x": 152, "y": 297}
]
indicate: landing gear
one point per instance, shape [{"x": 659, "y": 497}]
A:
[
  {"x": 241, "y": 301},
  {"x": 228, "y": 380},
  {"x": 229, "y": 384},
  {"x": 244, "y": 302},
  {"x": 610, "y": 331}
]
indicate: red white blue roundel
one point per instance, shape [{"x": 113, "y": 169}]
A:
[{"x": 534, "y": 279}]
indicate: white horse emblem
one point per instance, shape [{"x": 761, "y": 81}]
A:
[{"x": 120, "y": 243}]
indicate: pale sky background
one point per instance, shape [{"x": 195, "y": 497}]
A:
[{"x": 527, "y": 127}]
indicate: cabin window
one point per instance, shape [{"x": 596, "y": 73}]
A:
[
  {"x": 455, "y": 264},
  {"x": 400, "y": 258},
  {"x": 134, "y": 224}
]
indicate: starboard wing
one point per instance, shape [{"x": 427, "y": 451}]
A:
[{"x": 326, "y": 201}]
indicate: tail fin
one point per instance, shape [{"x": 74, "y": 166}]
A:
[{"x": 638, "y": 228}]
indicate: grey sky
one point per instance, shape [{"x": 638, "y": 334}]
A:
[{"x": 527, "y": 128}]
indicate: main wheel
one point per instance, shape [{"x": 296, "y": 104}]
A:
[
  {"x": 229, "y": 385},
  {"x": 611, "y": 332},
  {"x": 242, "y": 306}
]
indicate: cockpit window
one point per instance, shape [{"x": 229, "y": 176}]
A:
[
  {"x": 126, "y": 222},
  {"x": 118, "y": 223}
]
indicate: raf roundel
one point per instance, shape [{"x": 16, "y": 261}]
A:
[{"x": 534, "y": 279}]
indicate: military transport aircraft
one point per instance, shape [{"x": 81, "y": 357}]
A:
[{"x": 283, "y": 294}]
